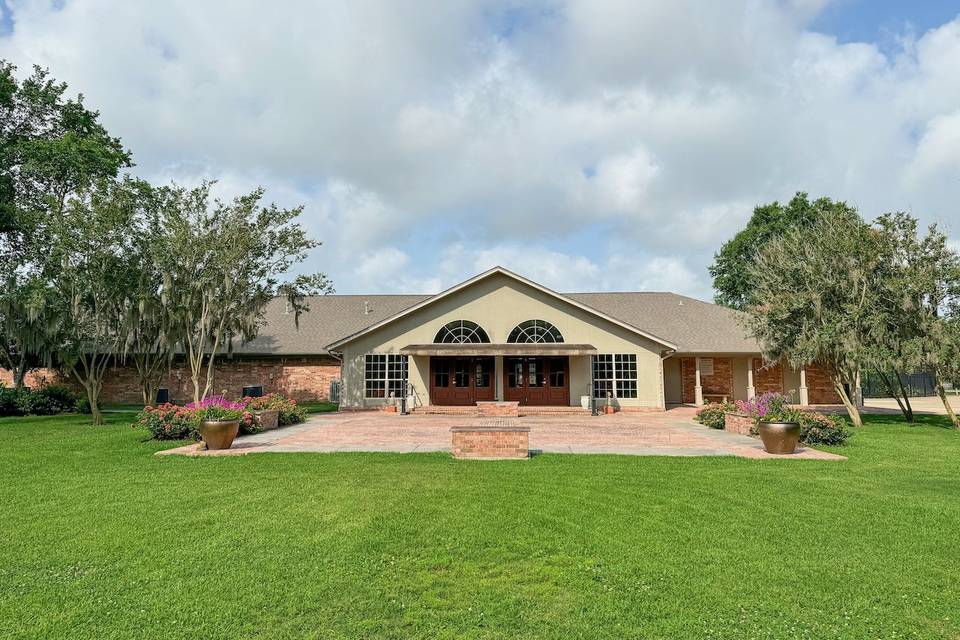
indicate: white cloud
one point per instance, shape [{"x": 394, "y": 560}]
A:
[{"x": 592, "y": 143}]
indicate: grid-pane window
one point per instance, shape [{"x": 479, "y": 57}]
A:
[
  {"x": 615, "y": 374},
  {"x": 625, "y": 374},
  {"x": 602, "y": 375},
  {"x": 396, "y": 375},
  {"x": 383, "y": 375}
]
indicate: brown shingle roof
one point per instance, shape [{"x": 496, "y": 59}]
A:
[
  {"x": 693, "y": 325},
  {"x": 329, "y": 318}
]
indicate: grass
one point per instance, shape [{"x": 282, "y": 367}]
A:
[{"x": 101, "y": 539}]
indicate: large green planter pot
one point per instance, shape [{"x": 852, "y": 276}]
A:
[
  {"x": 779, "y": 437},
  {"x": 219, "y": 434}
]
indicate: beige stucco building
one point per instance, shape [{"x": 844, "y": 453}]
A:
[{"x": 500, "y": 336}]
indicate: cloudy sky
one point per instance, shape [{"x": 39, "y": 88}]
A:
[{"x": 587, "y": 144}]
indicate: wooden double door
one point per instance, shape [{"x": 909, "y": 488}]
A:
[
  {"x": 461, "y": 381},
  {"x": 537, "y": 381}
]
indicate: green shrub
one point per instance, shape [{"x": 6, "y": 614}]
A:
[
  {"x": 83, "y": 405},
  {"x": 817, "y": 428},
  {"x": 290, "y": 412},
  {"x": 9, "y": 402},
  {"x": 712, "y": 415},
  {"x": 45, "y": 401}
]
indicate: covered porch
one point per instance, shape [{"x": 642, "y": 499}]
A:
[
  {"x": 700, "y": 379},
  {"x": 531, "y": 374}
]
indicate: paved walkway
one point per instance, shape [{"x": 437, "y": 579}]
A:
[{"x": 671, "y": 433}]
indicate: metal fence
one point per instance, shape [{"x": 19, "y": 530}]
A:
[{"x": 917, "y": 385}]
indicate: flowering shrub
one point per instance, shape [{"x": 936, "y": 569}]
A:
[
  {"x": 169, "y": 422},
  {"x": 815, "y": 428},
  {"x": 769, "y": 407},
  {"x": 712, "y": 415},
  {"x": 173, "y": 422},
  {"x": 290, "y": 412}
]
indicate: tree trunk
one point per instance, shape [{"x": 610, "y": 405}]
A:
[
  {"x": 20, "y": 373},
  {"x": 149, "y": 391},
  {"x": 208, "y": 387},
  {"x": 852, "y": 409},
  {"x": 91, "y": 384},
  {"x": 93, "y": 396},
  {"x": 906, "y": 397},
  {"x": 896, "y": 394},
  {"x": 946, "y": 405}
]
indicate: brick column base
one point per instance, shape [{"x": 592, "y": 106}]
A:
[{"x": 491, "y": 443}]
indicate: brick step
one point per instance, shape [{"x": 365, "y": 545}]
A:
[{"x": 524, "y": 411}]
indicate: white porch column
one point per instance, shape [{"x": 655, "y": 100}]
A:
[
  {"x": 751, "y": 390},
  {"x": 498, "y": 377},
  {"x": 804, "y": 394},
  {"x": 697, "y": 388}
]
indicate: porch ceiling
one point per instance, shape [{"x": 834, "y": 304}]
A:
[{"x": 474, "y": 349}]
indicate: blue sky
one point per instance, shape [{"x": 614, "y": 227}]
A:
[
  {"x": 588, "y": 144},
  {"x": 878, "y": 20}
]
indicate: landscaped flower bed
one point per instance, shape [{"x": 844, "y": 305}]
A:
[
  {"x": 290, "y": 412},
  {"x": 815, "y": 428},
  {"x": 713, "y": 414},
  {"x": 174, "y": 422}
]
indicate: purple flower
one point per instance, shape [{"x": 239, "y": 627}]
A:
[{"x": 217, "y": 401}]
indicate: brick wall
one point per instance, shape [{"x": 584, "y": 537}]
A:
[
  {"x": 820, "y": 387},
  {"x": 737, "y": 423},
  {"x": 500, "y": 409},
  {"x": 767, "y": 378},
  {"x": 490, "y": 442},
  {"x": 720, "y": 383},
  {"x": 301, "y": 378}
]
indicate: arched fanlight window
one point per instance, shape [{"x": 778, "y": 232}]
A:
[
  {"x": 535, "y": 331},
  {"x": 461, "y": 331}
]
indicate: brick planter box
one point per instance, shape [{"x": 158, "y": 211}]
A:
[
  {"x": 738, "y": 423},
  {"x": 499, "y": 409},
  {"x": 491, "y": 443},
  {"x": 268, "y": 419}
]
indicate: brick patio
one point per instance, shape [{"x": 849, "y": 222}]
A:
[{"x": 670, "y": 433}]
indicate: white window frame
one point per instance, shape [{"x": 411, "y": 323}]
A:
[
  {"x": 616, "y": 364},
  {"x": 389, "y": 375}
]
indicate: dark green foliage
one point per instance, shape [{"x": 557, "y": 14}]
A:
[
  {"x": 712, "y": 415},
  {"x": 51, "y": 146},
  {"x": 45, "y": 401},
  {"x": 730, "y": 270}
]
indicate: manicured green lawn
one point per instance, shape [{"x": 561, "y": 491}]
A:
[{"x": 101, "y": 539}]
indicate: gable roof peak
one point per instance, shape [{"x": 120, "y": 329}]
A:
[{"x": 514, "y": 276}]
